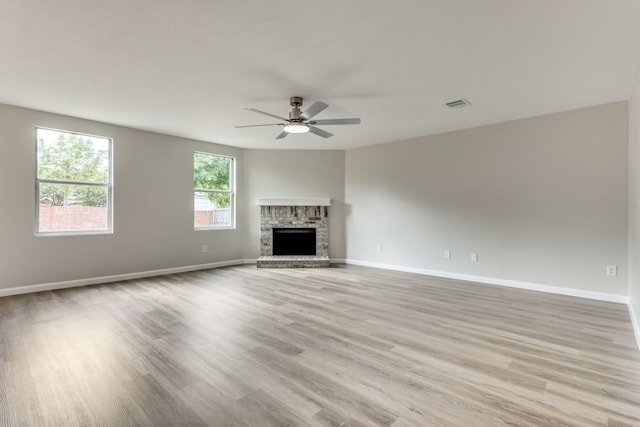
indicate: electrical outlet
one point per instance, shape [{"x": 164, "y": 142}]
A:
[
  {"x": 379, "y": 249},
  {"x": 474, "y": 257},
  {"x": 447, "y": 254},
  {"x": 612, "y": 270},
  {"x": 205, "y": 248}
]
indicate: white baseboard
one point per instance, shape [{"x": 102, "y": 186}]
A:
[
  {"x": 115, "y": 278},
  {"x": 601, "y": 296},
  {"x": 635, "y": 323}
]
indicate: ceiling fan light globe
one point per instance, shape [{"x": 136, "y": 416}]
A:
[{"x": 296, "y": 128}]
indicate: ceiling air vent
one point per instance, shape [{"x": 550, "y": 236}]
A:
[{"x": 458, "y": 103}]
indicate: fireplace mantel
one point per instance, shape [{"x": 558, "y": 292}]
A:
[{"x": 317, "y": 201}]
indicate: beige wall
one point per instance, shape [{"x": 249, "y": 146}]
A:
[
  {"x": 541, "y": 200},
  {"x": 153, "y": 219},
  {"x": 294, "y": 174},
  {"x": 634, "y": 204}
]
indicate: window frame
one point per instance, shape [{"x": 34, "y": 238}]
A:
[
  {"x": 108, "y": 185},
  {"x": 231, "y": 191}
]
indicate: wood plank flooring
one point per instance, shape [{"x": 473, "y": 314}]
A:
[{"x": 342, "y": 346}]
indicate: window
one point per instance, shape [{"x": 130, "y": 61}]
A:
[
  {"x": 73, "y": 183},
  {"x": 213, "y": 191}
]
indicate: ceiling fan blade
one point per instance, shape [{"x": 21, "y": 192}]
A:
[
  {"x": 320, "y": 132},
  {"x": 315, "y": 108},
  {"x": 266, "y": 114},
  {"x": 253, "y": 126},
  {"x": 336, "y": 122},
  {"x": 282, "y": 134}
]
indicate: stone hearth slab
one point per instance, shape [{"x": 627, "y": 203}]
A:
[{"x": 293, "y": 261}]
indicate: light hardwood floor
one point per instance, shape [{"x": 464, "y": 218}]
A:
[{"x": 338, "y": 346}]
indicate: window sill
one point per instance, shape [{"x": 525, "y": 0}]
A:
[
  {"x": 231, "y": 227},
  {"x": 72, "y": 233}
]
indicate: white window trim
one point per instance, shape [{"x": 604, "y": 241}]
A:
[
  {"x": 232, "y": 191},
  {"x": 109, "y": 186}
]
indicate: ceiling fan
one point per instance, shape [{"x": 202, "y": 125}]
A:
[{"x": 300, "y": 122}]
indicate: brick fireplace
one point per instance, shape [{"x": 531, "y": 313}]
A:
[{"x": 290, "y": 215}]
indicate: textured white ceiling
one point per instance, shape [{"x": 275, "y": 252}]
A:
[{"x": 189, "y": 67}]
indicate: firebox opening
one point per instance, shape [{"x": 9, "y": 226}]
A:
[{"x": 294, "y": 241}]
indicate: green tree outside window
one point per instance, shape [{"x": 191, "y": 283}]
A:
[
  {"x": 77, "y": 159},
  {"x": 212, "y": 173}
]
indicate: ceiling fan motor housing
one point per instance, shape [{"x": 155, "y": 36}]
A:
[
  {"x": 294, "y": 115},
  {"x": 296, "y": 103}
]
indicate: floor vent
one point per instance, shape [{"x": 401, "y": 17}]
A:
[{"x": 458, "y": 103}]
